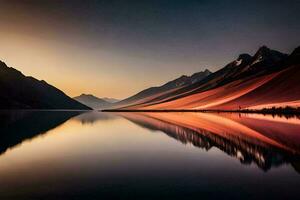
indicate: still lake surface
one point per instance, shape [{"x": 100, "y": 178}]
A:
[{"x": 75, "y": 155}]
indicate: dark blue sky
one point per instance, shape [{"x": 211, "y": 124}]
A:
[{"x": 148, "y": 42}]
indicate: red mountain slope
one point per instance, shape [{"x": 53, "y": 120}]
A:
[
  {"x": 277, "y": 89},
  {"x": 275, "y": 85}
]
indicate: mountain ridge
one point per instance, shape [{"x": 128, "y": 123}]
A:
[
  {"x": 173, "y": 84},
  {"x": 25, "y": 92},
  {"x": 92, "y": 101},
  {"x": 245, "y": 68}
]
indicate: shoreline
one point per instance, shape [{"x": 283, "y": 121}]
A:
[{"x": 277, "y": 111}]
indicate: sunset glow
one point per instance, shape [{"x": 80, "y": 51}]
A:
[
  {"x": 149, "y": 99},
  {"x": 100, "y": 53}
]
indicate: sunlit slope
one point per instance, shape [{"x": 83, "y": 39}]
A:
[
  {"x": 278, "y": 89},
  {"x": 281, "y": 91},
  {"x": 152, "y": 93},
  {"x": 252, "y": 85},
  {"x": 215, "y": 97}
]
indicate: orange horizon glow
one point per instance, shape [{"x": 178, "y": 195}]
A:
[
  {"x": 108, "y": 54},
  {"x": 79, "y": 69}
]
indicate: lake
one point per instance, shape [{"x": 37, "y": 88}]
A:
[{"x": 93, "y": 155}]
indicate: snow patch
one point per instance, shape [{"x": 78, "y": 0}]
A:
[
  {"x": 259, "y": 59},
  {"x": 238, "y": 62}
]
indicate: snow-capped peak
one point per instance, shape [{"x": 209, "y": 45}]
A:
[
  {"x": 259, "y": 59},
  {"x": 238, "y": 62}
]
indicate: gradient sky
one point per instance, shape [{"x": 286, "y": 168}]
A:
[{"x": 117, "y": 48}]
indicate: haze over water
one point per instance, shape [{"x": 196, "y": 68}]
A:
[{"x": 74, "y": 155}]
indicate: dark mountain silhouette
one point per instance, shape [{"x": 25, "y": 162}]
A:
[
  {"x": 294, "y": 58},
  {"x": 22, "y": 92},
  {"x": 150, "y": 93},
  {"x": 17, "y": 126},
  {"x": 92, "y": 101},
  {"x": 235, "y": 80}
]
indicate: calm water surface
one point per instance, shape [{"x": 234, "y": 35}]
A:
[{"x": 73, "y": 155}]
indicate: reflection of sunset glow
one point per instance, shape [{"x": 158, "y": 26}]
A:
[
  {"x": 275, "y": 119},
  {"x": 277, "y": 105},
  {"x": 232, "y": 126},
  {"x": 75, "y": 151}
]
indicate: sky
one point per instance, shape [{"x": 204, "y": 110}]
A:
[{"x": 117, "y": 48}]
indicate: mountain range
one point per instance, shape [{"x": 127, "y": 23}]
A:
[
  {"x": 269, "y": 78},
  {"x": 95, "y": 102},
  {"x": 144, "y": 95},
  {"x": 151, "y": 93},
  {"x": 110, "y": 100},
  {"x": 22, "y": 92}
]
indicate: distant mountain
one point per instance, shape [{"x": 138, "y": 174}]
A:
[
  {"x": 150, "y": 93},
  {"x": 111, "y": 100},
  {"x": 21, "y": 92},
  {"x": 268, "y": 78},
  {"x": 92, "y": 101}
]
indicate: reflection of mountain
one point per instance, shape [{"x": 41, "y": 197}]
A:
[
  {"x": 17, "y": 126},
  {"x": 202, "y": 133},
  {"x": 94, "y": 116}
]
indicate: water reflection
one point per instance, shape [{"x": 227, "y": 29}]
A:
[
  {"x": 236, "y": 135},
  {"x": 148, "y": 156},
  {"x": 267, "y": 141},
  {"x": 17, "y": 126},
  {"x": 94, "y": 116}
]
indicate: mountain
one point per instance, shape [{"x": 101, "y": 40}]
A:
[
  {"x": 92, "y": 101},
  {"x": 153, "y": 92},
  {"x": 21, "y": 92},
  {"x": 269, "y": 78},
  {"x": 110, "y": 100},
  {"x": 245, "y": 66}
]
